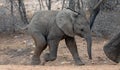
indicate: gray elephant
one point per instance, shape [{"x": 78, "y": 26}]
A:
[
  {"x": 112, "y": 48},
  {"x": 49, "y": 27}
]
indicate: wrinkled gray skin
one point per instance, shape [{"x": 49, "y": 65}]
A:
[
  {"x": 49, "y": 27},
  {"x": 112, "y": 49}
]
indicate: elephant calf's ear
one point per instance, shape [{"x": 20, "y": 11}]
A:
[
  {"x": 63, "y": 21},
  {"x": 74, "y": 16}
]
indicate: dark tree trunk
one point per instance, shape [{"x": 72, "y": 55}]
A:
[
  {"x": 63, "y": 4},
  {"x": 39, "y": 3},
  {"x": 72, "y": 4},
  {"x": 13, "y": 17},
  {"x": 22, "y": 11},
  {"x": 75, "y": 5},
  {"x": 11, "y": 1},
  {"x": 48, "y": 3},
  {"x": 78, "y": 4},
  {"x": 112, "y": 49},
  {"x": 49, "y": 7}
]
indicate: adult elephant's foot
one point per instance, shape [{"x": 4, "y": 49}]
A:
[{"x": 35, "y": 60}]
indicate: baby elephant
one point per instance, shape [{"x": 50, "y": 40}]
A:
[{"x": 49, "y": 27}]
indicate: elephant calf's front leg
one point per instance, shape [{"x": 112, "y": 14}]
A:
[{"x": 71, "y": 44}]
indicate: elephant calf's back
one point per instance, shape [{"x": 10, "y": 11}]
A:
[
  {"x": 42, "y": 20},
  {"x": 44, "y": 17}
]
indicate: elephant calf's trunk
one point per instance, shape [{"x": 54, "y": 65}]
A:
[{"x": 89, "y": 44}]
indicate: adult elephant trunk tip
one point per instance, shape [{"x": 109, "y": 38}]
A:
[{"x": 89, "y": 46}]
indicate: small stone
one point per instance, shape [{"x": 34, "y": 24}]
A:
[
  {"x": 19, "y": 50},
  {"x": 33, "y": 46},
  {"x": 32, "y": 52},
  {"x": 85, "y": 54},
  {"x": 105, "y": 62},
  {"x": 24, "y": 42},
  {"x": 93, "y": 62},
  {"x": 16, "y": 36},
  {"x": 31, "y": 56},
  {"x": 29, "y": 43},
  {"x": 65, "y": 62}
]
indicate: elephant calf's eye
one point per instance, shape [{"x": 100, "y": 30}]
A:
[{"x": 81, "y": 30}]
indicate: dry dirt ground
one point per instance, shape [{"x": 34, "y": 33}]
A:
[{"x": 16, "y": 51}]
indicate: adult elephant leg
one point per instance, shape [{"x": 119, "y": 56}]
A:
[
  {"x": 40, "y": 45},
  {"x": 112, "y": 49},
  {"x": 53, "y": 46},
  {"x": 71, "y": 44}
]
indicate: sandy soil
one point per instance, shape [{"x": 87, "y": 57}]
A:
[
  {"x": 93, "y": 67},
  {"x": 16, "y": 52}
]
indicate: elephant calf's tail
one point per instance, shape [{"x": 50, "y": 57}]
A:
[{"x": 23, "y": 30}]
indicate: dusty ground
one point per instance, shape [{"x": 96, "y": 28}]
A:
[{"x": 17, "y": 50}]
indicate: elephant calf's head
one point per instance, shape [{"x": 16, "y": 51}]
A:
[
  {"x": 81, "y": 26},
  {"x": 72, "y": 23}
]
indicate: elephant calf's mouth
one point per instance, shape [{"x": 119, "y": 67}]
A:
[{"x": 80, "y": 35}]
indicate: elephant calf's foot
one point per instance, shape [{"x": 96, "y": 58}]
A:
[
  {"x": 47, "y": 57},
  {"x": 79, "y": 62},
  {"x": 35, "y": 60}
]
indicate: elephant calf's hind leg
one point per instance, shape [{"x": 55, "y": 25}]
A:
[{"x": 40, "y": 44}]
